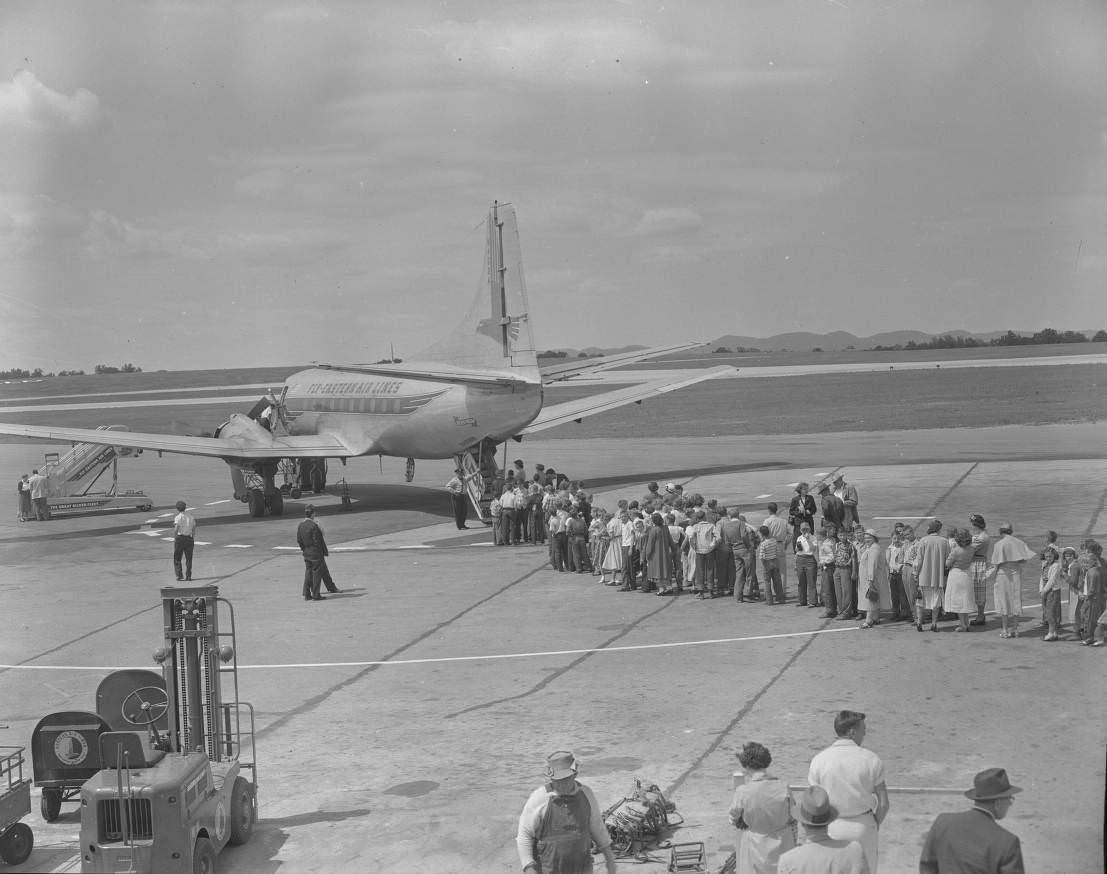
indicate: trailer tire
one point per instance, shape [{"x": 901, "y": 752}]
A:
[
  {"x": 243, "y": 811},
  {"x": 51, "y": 804},
  {"x": 203, "y": 857},
  {"x": 16, "y": 844},
  {"x": 256, "y": 499}
]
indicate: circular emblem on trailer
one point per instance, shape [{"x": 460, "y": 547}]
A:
[
  {"x": 220, "y": 821},
  {"x": 71, "y": 748}
]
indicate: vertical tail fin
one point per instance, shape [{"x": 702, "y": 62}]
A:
[{"x": 496, "y": 332}]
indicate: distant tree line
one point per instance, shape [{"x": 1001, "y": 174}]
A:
[
  {"x": 558, "y": 353},
  {"x": 1044, "y": 337},
  {"x": 723, "y": 350},
  {"x": 38, "y": 373}
]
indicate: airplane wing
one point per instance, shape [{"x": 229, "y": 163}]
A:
[
  {"x": 557, "y": 372},
  {"x": 431, "y": 373},
  {"x": 250, "y": 444},
  {"x": 574, "y": 411}
]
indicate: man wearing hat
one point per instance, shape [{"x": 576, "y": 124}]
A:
[
  {"x": 820, "y": 853},
  {"x": 313, "y": 545},
  {"x": 560, "y": 821},
  {"x": 973, "y": 841},
  {"x": 833, "y": 510},
  {"x": 853, "y": 778},
  {"x": 848, "y": 496},
  {"x": 458, "y": 500}
]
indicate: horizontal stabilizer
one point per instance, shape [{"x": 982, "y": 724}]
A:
[
  {"x": 571, "y": 411},
  {"x": 587, "y": 366},
  {"x": 254, "y": 445},
  {"x": 433, "y": 373}
]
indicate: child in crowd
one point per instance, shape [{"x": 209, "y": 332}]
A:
[
  {"x": 767, "y": 553},
  {"x": 1050, "y": 590}
]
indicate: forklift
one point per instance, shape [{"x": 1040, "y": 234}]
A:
[{"x": 172, "y": 790}]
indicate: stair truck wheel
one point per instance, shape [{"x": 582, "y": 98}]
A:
[
  {"x": 295, "y": 494},
  {"x": 243, "y": 811},
  {"x": 16, "y": 844},
  {"x": 276, "y": 504},
  {"x": 51, "y": 804},
  {"x": 203, "y": 857},
  {"x": 256, "y": 500}
]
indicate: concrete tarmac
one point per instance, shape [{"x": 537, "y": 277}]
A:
[{"x": 403, "y": 722}]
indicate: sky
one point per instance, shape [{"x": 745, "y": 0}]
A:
[{"x": 214, "y": 185}]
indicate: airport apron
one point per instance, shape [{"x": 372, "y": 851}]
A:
[{"x": 564, "y": 841}]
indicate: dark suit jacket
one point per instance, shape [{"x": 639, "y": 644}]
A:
[
  {"x": 970, "y": 842},
  {"x": 310, "y": 537}
]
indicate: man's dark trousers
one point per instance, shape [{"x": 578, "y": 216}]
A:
[
  {"x": 183, "y": 545},
  {"x": 461, "y": 508}
]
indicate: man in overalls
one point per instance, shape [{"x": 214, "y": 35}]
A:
[{"x": 560, "y": 821}]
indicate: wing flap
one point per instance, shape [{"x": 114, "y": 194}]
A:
[
  {"x": 557, "y": 372},
  {"x": 243, "y": 446},
  {"x": 571, "y": 411},
  {"x": 432, "y": 373}
]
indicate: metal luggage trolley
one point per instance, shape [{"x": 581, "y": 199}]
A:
[{"x": 16, "y": 838}]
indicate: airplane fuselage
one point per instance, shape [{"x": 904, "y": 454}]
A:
[{"x": 408, "y": 418}]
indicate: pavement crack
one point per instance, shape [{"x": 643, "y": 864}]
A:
[
  {"x": 542, "y": 684},
  {"x": 316, "y": 700},
  {"x": 739, "y": 716},
  {"x": 941, "y": 498},
  {"x": 1095, "y": 516}
]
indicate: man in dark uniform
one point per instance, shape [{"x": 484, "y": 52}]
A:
[
  {"x": 559, "y": 823},
  {"x": 833, "y": 510},
  {"x": 314, "y": 547},
  {"x": 458, "y": 499}
]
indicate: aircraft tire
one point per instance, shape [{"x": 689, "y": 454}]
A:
[
  {"x": 256, "y": 500},
  {"x": 276, "y": 504}
]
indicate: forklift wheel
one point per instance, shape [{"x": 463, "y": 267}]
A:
[
  {"x": 203, "y": 857},
  {"x": 16, "y": 844},
  {"x": 51, "y": 804},
  {"x": 243, "y": 811}
]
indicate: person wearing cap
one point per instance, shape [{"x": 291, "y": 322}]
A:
[
  {"x": 873, "y": 579},
  {"x": 762, "y": 810},
  {"x": 458, "y": 501},
  {"x": 184, "y": 540},
  {"x": 559, "y": 822},
  {"x": 1009, "y": 554},
  {"x": 313, "y": 546},
  {"x": 973, "y": 841},
  {"x": 820, "y": 853},
  {"x": 930, "y": 574},
  {"x": 853, "y": 778},
  {"x": 23, "y": 491},
  {"x": 848, "y": 495}
]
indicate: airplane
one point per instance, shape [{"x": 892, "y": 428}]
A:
[{"x": 461, "y": 398}]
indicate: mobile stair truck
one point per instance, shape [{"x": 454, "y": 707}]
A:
[
  {"x": 169, "y": 801},
  {"x": 71, "y": 477}
]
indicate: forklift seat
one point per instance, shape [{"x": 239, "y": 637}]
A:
[{"x": 132, "y": 748}]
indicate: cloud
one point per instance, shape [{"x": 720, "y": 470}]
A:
[{"x": 27, "y": 102}]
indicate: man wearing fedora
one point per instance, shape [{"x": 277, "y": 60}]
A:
[
  {"x": 559, "y": 823},
  {"x": 848, "y": 495},
  {"x": 820, "y": 853},
  {"x": 973, "y": 841},
  {"x": 853, "y": 778}
]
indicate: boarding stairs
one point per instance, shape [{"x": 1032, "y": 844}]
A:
[
  {"x": 479, "y": 467},
  {"x": 71, "y": 478}
]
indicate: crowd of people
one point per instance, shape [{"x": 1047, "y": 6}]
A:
[{"x": 669, "y": 543}]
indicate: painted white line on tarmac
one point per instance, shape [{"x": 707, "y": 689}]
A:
[
  {"x": 476, "y": 658},
  {"x": 759, "y": 497},
  {"x": 213, "y": 503},
  {"x": 893, "y": 518},
  {"x": 296, "y": 548},
  {"x": 238, "y": 546},
  {"x": 149, "y": 532}
]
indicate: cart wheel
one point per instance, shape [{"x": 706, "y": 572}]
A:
[
  {"x": 51, "y": 804},
  {"x": 16, "y": 844},
  {"x": 295, "y": 494},
  {"x": 203, "y": 857},
  {"x": 243, "y": 811},
  {"x": 146, "y": 508},
  {"x": 256, "y": 500}
]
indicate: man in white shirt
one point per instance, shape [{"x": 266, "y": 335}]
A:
[
  {"x": 781, "y": 532},
  {"x": 559, "y": 823},
  {"x": 853, "y": 778},
  {"x": 458, "y": 501},
  {"x": 38, "y": 496},
  {"x": 184, "y": 540}
]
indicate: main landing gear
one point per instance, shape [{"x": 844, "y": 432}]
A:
[{"x": 257, "y": 487}]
